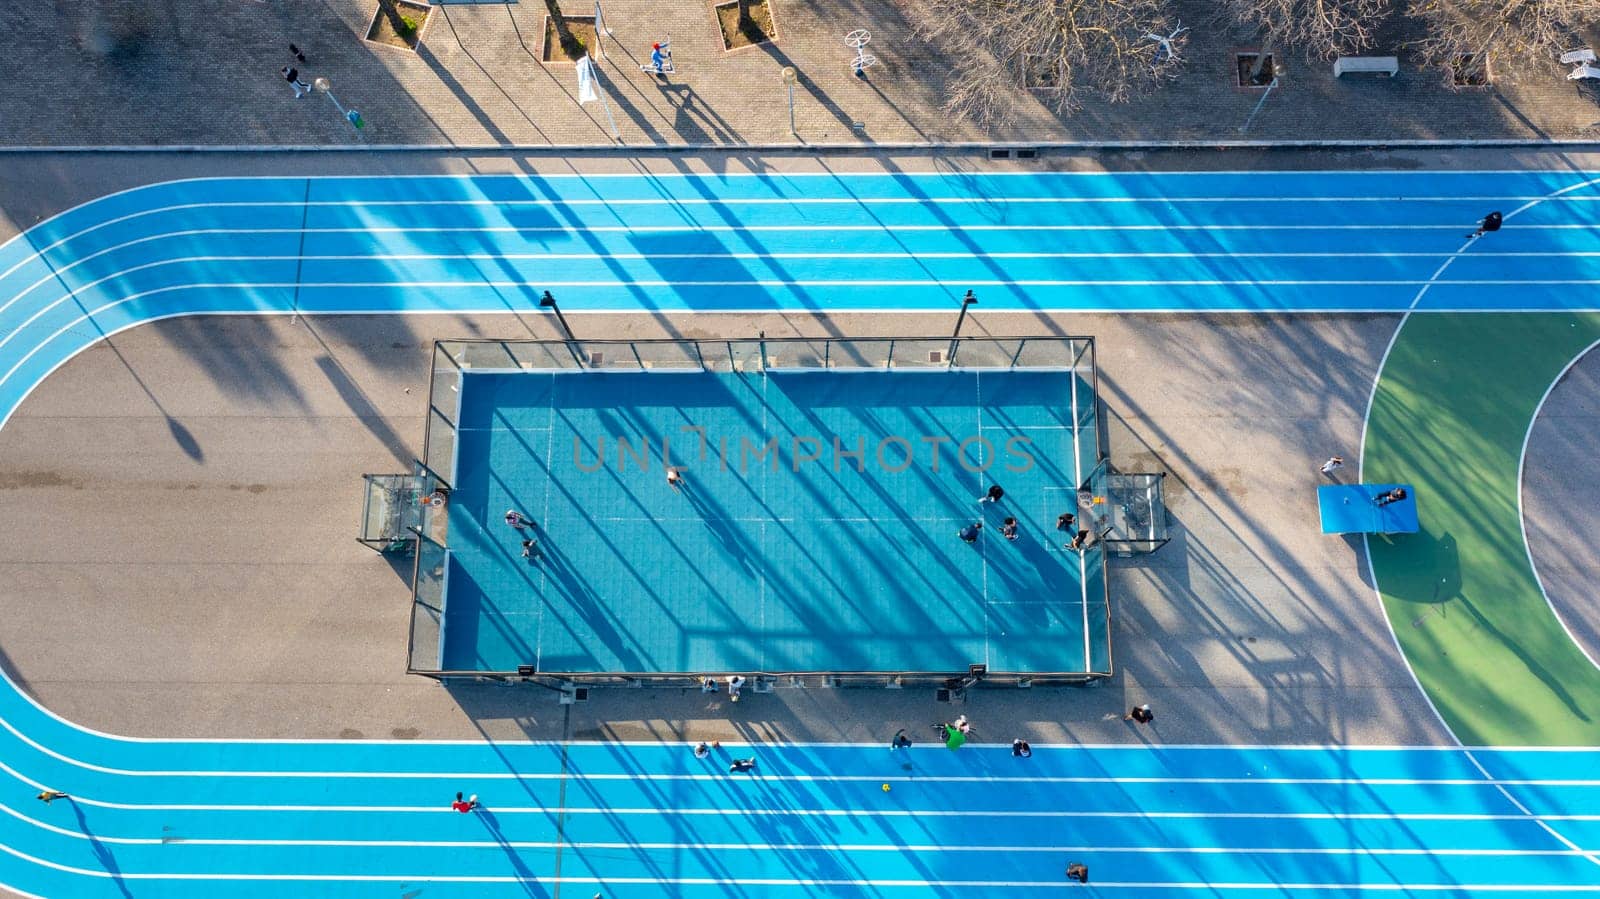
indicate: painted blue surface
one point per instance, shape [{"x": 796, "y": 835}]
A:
[
  {"x": 1354, "y": 509},
  {"x": 781, "y": 552},
  {"x": 230, "y": 818}
]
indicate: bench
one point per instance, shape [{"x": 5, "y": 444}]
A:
[{"x": 1366, "y": 65}]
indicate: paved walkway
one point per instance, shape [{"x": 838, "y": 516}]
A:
[{"x": 206, "y": 73}]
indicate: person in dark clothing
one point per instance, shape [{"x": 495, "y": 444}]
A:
[
  {"x": 994, "y": 494},
  {"x": 1490, "y": 222},
  {"x": 1392, "y": 496},
  {"x": 1078, "y": 871},
  {"x": 970, "y": 532},
  {"x": 1064, "y": 521}
]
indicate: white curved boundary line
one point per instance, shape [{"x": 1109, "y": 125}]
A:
[
  {"x": 1366, "y": 547},
  {"x": 1522, "y": 518}
]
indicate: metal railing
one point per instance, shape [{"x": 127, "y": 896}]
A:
[{"x": 454, "y": 358}]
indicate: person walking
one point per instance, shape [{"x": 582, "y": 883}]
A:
[
  {"x": 1392, "y": 496},
  {"x": 1488, "y": 224},
  {"x": 292, "y": 75},
  {"x": 1333, "y": 464},
  {"x": 49, "y": 796},
  {"x": 465, "y": 805},
  {"x": 748, "y": 764},
  {"x": 900, "y": 741},
  {"x": 1021, "y": 749},
  {"x": 970, "y": 532},
  {"x": 1078, "y": 541},
  {"x": 660, "y": 58},
  {"x": 1064, "y": 521},
  {"x": 993, "y": 496},
  {"x": 1008, "y": 529},
  {"x": 1141, "y": 714},
  {"x": 530, "y": 549}
]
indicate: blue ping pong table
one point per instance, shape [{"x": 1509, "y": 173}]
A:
[{"x": 1354, "y": 509}]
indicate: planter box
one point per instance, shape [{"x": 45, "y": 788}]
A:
[
  {"x": 563, "y": 48},
  {"x": 733, "y": 38},
  {"x": 388, "y": 24}
]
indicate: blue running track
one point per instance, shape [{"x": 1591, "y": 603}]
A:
[{"x": 242, "y": 818}]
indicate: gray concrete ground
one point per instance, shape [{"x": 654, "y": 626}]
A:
[
  {"x": 1559, "y": 511},
  {"x": 205, "y": 72},
  {"x": 192, "y": 488}
]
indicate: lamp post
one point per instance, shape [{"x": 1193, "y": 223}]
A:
[
  {"x": 968, "y": 300},
  {"x": 350, "y": 115},
  {"x": 549, "y": 302},
  {"x": 790, "y": 76}
]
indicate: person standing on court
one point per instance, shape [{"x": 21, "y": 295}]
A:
[
  {"x": 1008, "y": 529},
  {"x": 1487, "y": 224},
  {"x": 675, "y": 478},
  {"x": 993, "y": 496},
  {"x": 517, "y": 520},
  {"x": 900, "y": 741},
  {"x": 970, "y": 532},
  {"x": 1064, "y": 521},
  {"x": 1021, "y": 749}
]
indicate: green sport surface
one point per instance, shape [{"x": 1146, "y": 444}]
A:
[{"x": 1452, "y": 408}]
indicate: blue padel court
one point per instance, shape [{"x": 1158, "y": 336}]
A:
[{"x": 814, "y": 530}]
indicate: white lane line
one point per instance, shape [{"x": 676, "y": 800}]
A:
[{"x": 787, "y": 881}]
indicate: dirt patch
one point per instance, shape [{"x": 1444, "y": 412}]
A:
[
  {"x": 758, "y": 29},
  {"x": 399, "y": 23},
  {"x": 1470, "y": 71},
  {"x": 569, "y": 38},
  {"x": 1245, "y": 65}
]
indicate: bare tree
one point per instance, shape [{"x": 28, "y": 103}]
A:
[
  {"x": 1509, "y": 37},
  {"x": 1321, "y": 28},
  {"x": 1056, "y": 49}
]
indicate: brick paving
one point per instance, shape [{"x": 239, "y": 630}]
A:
[{"x": 205, "y": 72}]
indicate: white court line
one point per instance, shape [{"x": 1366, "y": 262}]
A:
[
  {"x": 1522, "y": 517},
  {"x": 1541, "y": 820}
]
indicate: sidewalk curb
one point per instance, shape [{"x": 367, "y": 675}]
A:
[{"x": 832, "y": 148}]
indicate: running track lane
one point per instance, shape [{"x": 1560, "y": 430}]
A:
[{"x": 169, "y": 818}]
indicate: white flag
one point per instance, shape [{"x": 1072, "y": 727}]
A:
[{"x": 586, "y": 85}]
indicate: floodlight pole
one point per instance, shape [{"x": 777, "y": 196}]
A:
[
  {"x": 549, "y": 302},
  {"x": 966, "y": 301},
  {"x": 1259, "y": 103},
  {"x": 790, "y": 76}
]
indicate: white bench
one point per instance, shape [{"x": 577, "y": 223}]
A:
[{"x": 1366, "y": 65}]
